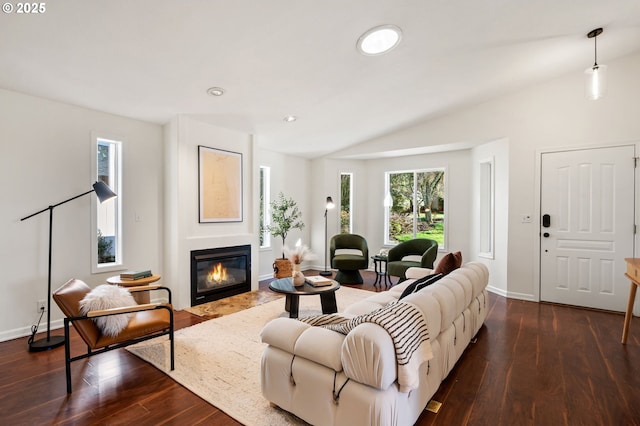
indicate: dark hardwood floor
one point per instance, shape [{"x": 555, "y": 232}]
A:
[{"x": 533, "y": 364}]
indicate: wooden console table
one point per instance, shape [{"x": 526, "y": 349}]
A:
[{"x": 633, "y": 273}]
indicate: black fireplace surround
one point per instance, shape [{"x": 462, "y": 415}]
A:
[{"x": 221, "y": 272}]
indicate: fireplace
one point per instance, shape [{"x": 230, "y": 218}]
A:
[{"x": 217, "y": 273}]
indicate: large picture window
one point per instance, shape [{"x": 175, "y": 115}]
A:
[
  {"x": 415, "y": 206},
  {"x": 107, "y": 246}
]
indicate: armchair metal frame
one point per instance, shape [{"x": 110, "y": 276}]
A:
[{"x": 115, "y": 311}]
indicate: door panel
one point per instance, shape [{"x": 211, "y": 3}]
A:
[{"x": 589, "y": 197}]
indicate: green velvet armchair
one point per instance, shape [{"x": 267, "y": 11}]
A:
[
  {"x": 349, "y": 253},
  {"x": 423, "y": 252}
]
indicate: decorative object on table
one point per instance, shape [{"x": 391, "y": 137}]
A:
[
  {"x": 318, "y": 280},
  {"x": 298, "y": 278},
  {"x": 104, "y": 193},
  {"x": 296, "y": 256},
  {"x": 220, "y": 185},
  {"x": 135, "y": 275},
  {"x": 285, "y": 216},
  {"x": 329, "y": 205}
]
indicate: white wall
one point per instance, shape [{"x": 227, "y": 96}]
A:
[
  {"x": 549, "y": 115},
  {"x": 498, "y": 151},
  {"x": 45, "y": 158},
  {"x": 183, "y": 231},
  {"x": 291, "y": 176}
]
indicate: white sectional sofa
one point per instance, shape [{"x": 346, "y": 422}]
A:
[{"x": 327, "y": 378}]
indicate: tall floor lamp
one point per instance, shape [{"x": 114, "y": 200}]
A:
[
  {"x": 329, "y": 205},
  {"x": 104, "y": 193}
]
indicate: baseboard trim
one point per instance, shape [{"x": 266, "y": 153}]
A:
[{"x": 17, "y": 333}]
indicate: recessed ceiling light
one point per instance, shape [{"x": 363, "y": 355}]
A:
[
  {"x": 290, "y": 118},
  {"x": 215, "y": 91},
  {"x": 379, "y": 40}
]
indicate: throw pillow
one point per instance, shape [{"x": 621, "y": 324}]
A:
[
  {"x": 435, "y": 277},
  {"x": 450, "y": 262},
  {"x": 108, "y": 296},
  {"x": 419, "y": 284}
]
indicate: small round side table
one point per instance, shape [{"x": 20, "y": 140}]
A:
[
  {"x": 141, "y": 297},
  {"x": 380, "y": 266}
]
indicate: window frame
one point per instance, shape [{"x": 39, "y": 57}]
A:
[
  {"x": 486, "y": 216},
  {"x": 351, "y": 177},
  {"x": 388, "y": 203},
  {"x": 119, "y": 263},
  {"x": 265, "y": 220}
]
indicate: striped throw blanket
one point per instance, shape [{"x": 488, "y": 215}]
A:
[{"x": 407, "y": 327}]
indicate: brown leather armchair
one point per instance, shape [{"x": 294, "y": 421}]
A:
[{"x": 147, "y": 321}]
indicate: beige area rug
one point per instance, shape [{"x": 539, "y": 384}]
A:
[{"x": 219, "y": 359}]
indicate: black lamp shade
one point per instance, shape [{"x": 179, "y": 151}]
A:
[{"x": 103, "y": 192}]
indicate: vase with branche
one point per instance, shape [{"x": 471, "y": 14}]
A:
[{"x": 296, "y": 256}]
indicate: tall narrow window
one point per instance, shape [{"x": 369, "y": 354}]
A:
[
  {"x": 415, "y": 206},
  {"x": 265, "y": 200},
  {"x": 346, "y": 190},
  {"x": 107, "y": 247},
  {"x": 486, "y": 213}
]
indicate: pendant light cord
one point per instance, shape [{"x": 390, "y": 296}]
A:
[{"x": 595, "y": 51}]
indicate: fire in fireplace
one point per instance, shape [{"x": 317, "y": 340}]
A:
[{"x": 220, "y": 272}]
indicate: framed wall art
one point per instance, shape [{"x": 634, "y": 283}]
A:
[{"x": 220, "y": 185}]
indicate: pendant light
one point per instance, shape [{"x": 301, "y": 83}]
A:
[{"x": 595, "y": 81}]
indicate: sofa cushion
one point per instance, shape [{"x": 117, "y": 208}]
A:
[
  {"x": 283, "y": 333},
  {"x": 449, "y": 263},
  {"x": 320, "y": 345},
  {"x": 420, "y": 283},
  {"x": 355, "y": 252},
  {"x": 417, "y": 272},
  {"x": 412, "y": 258}
]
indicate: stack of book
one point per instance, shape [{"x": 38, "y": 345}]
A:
[
  {"x": 318, "y": 281},
  {"x": 135, "y": 275}
]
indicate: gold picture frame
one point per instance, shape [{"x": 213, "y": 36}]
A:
[{"x": 220, "y": 185}]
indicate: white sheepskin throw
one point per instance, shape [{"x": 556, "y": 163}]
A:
[{"x": 108, "y": 296}]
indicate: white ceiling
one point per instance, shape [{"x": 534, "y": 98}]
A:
[{"x": 154, "y": 59}]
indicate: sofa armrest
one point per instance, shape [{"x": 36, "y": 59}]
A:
[
  {"x": 415, "y": 272},
  {"x": 316, "y": 344},
  {"x": 368, "y": 356},
  {"x": 283, "y": 333}
]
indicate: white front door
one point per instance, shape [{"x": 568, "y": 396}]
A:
[{"x": 587, "y": 226}]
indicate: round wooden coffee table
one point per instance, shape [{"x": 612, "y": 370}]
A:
[{"x": 327, "y": 295}]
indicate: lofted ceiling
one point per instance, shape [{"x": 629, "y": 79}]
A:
[{"x": 155, "y": 59}]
